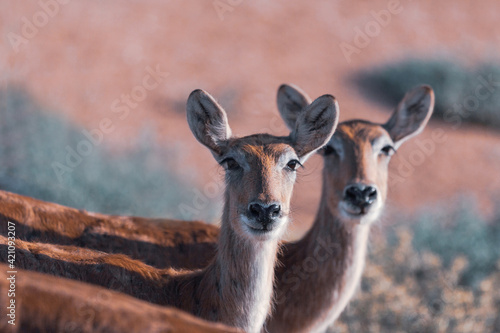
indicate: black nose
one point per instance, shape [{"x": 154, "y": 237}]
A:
[
  {"x": 264, "y": 214},
  {"x": 360, "y": 195}
]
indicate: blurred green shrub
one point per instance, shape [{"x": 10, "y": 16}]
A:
[
  {"x": 462, "y": 94},
  {"x": 466, "y": 235},
  {"x": 135, "y": 183}
]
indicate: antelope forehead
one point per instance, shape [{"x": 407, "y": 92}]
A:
[
  {"x": 270, "y": 153},
  {"x": 359, "y": 130},
  {"x": 360, "y": 135}
]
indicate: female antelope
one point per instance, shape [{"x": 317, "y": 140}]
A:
[{"x": 320, "y": 272}]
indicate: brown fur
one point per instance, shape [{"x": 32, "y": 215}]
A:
[
  {"x": 49, "y": 304},
  {"x": 157, "y": 242},
  {"x": 113, "y": 271}
]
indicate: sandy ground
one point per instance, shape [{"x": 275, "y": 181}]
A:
[{"x": 87, "y": 54}]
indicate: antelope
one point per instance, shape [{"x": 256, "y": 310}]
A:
[
  {"x": 319, "y": 273},
  {"x": 236, "y": 287},
  {"x": 46, "y": 303},
  {"x": 158, "y": 242},
  {"x": 354, "y": 192}
]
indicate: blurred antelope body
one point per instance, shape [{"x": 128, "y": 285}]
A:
[
  {"x": 354, "y": 192},
  {"x": 157, "y": 242},
  {"x": 50, "y": 304},
  {"x": 236, "y": 287}
]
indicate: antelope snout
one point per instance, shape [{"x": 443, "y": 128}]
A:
[
  {"x": 264, "y": 214},
  {"x": 360, "y": 195}
]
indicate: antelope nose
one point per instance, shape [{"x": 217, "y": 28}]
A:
[
  {"x": 360, "y": 195},
  {"x": 264, "y": 214}
]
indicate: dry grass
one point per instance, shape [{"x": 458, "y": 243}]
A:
[{"x": 405, "y": 290}]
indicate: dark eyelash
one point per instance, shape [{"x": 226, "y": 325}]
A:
[
  {"x": 230, "y": 163},
  {"x": 293, "y": 165},
  {"x": 388, "y": 150},
  {"x": 329, "y": 150}
]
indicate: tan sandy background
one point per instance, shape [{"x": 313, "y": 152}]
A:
[{"x": 91, "y": 52}]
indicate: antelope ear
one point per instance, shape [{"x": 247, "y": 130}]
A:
[
  {"x": 411, "y": 115},
  {"x": 315, "y": 126},
  {"x": 208, "y": 121},
  {"x": 291, "y": 101}
]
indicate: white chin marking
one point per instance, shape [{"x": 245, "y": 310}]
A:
[
  {"x": 250, "y": 232},
  {"x": 363, "y": 219}
]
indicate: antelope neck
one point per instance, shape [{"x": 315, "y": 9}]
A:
[{"x": 320, "y": 274}]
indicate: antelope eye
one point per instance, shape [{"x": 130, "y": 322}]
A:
[
  {"x": 230, "y": 164},
  {"x": 388, "y": 150},
  {"x": 329, "y": 150},
  {"x": 293, "y": 165}
]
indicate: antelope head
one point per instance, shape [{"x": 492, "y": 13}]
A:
[
  {"x": 260, "y": 169},
  {"x": 357, "y": 156}
]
